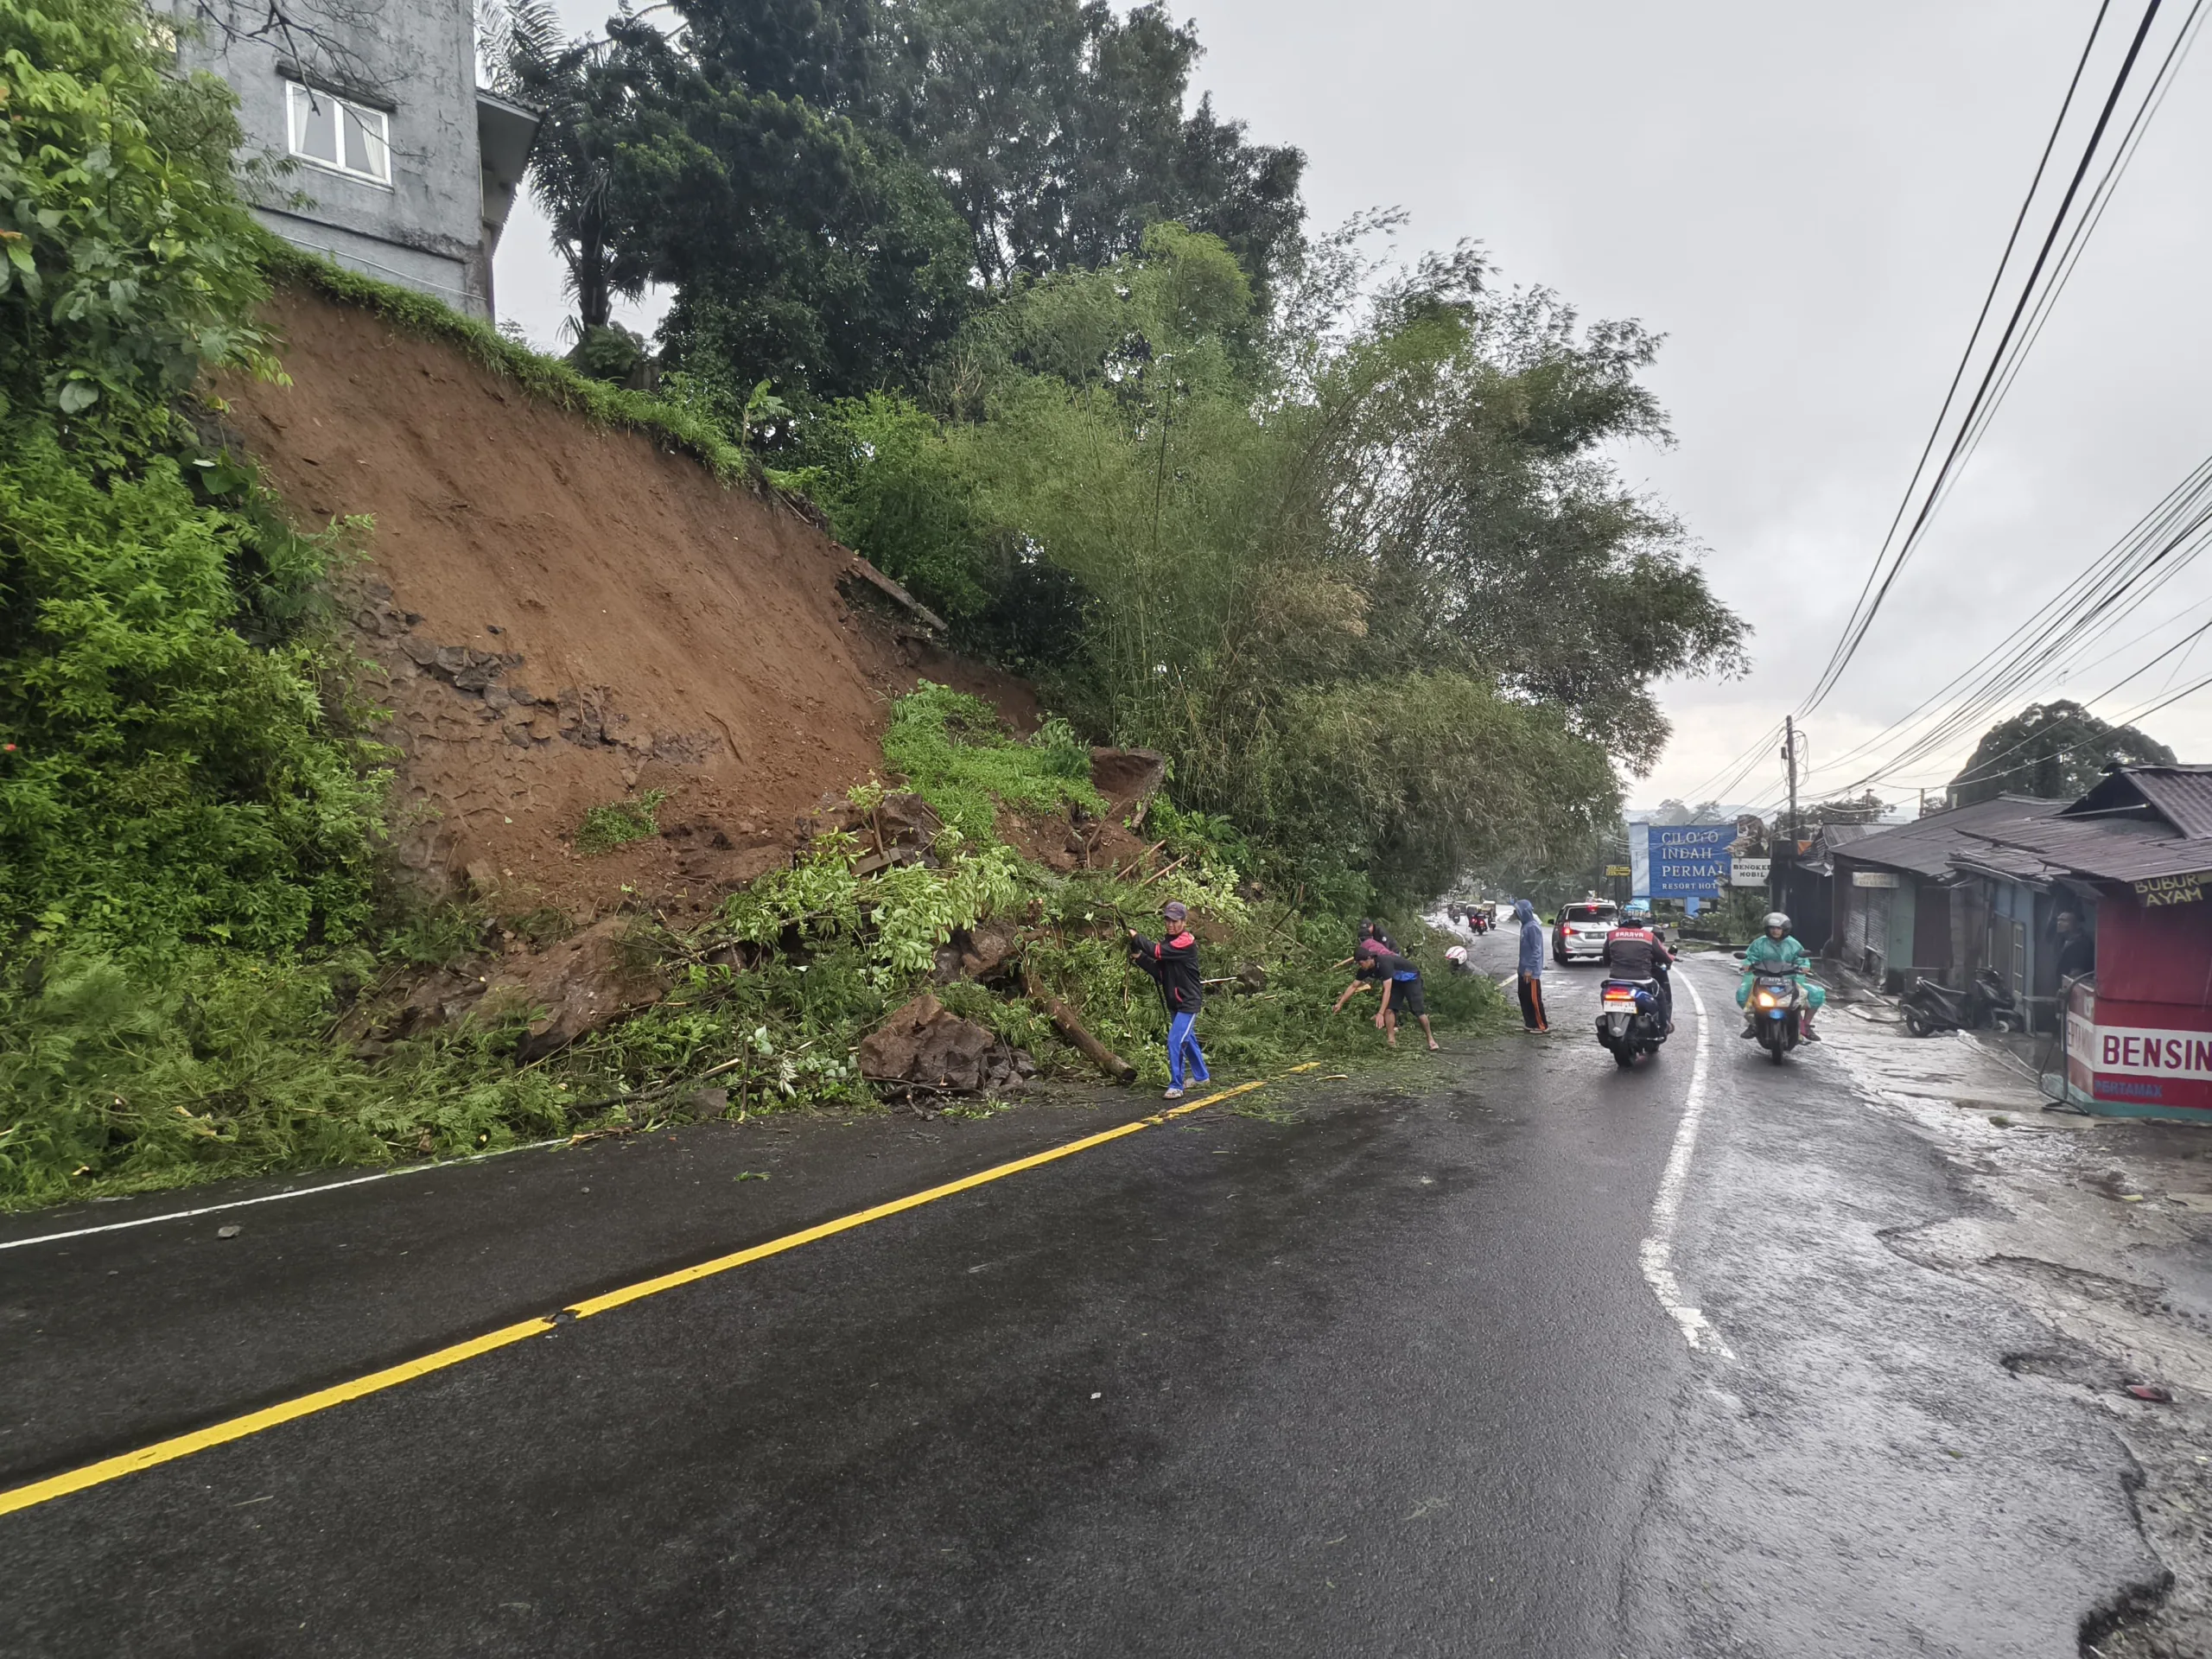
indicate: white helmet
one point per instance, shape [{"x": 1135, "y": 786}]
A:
[
  {"x": 1774, "y": 919},
  {"x": 1457, "y": 953}
]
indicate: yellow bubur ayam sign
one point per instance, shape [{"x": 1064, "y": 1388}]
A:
[{"x": 2172, "y": 889}]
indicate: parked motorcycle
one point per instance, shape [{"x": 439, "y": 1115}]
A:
[
  {"x": 1778, "y": 1008},
  {"x": 1930, "y": 1007},
  {"x": 1629, "y": 1021}
]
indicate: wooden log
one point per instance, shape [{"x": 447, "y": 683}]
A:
[{"x": 1068, "y": 1025}]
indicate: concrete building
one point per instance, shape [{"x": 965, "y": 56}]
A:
[{"x": 401, "y": 167}]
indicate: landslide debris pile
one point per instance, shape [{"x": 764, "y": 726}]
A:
[
  {"x": 562, "y": 617},
  {"x": 641, "y": 805}
]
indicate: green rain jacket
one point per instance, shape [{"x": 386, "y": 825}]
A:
[{"x": 1765, "y": 951}]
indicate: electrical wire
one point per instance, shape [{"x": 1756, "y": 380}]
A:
[
  {"x": 2085, "y": 609},
  {"x": 2118, "y": 586},
  {"x": 1965, "y": 357},
  {"x": 1855, "y": 630}
]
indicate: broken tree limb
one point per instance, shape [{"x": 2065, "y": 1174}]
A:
[
  {"x": 1068, "y": 1025},
  {"x": 884, "y": 585},
  {"x": 1137, "y": 864}
]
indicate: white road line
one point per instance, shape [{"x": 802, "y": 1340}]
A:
[
  {"x": 1658, "y": 1247},
  {"x": 274, "y": 1197}
]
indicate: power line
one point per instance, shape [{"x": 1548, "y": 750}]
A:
[
  {"x": 1863, "y": 618},
  {"x": 1965, "y": 357},
  {"x": 2086, "y": 608}
]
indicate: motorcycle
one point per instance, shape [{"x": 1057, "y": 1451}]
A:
[
  {"x": 1778, "y": 1008},
  {"x": 1930, "y": 1007},
  {"x": 1629, "y": 1022}
]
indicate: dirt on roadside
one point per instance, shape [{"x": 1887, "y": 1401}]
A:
[{"x": 562, "y": 617}]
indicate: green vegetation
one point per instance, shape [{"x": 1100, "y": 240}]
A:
[
  {"x": 173, "y": 768},
  {"x": 1062, "y": 360},
  {"x": 606, "y": 828},
  {"x": 955, "y": 756},
  {"x": 2056, "y": 750}
]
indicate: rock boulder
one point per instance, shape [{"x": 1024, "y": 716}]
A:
[
  {"x": 576, "y": 986},
  {"x": 925, "y": 1043}
]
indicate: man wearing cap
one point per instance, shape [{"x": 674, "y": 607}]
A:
[{"x": 1173, "y": 964}]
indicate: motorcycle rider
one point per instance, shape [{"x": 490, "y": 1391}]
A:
[
  {"x": 1634, "y": 951},
  {"x": 1776, "y": 948}
]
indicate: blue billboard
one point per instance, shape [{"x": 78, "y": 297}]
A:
[{"x": 1687, "y": 861}]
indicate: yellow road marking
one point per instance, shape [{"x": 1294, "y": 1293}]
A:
[{"x": 306, "y": 1405}]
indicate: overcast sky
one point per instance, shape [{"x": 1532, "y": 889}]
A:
[{"x": 1810, "y": 204}]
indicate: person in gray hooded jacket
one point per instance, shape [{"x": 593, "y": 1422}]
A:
[{"x": 1532, "y": 967}]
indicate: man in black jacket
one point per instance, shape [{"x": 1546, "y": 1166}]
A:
[
  {"x": 1637, "y": 952},
  {"x": 1173, "y": 964}
]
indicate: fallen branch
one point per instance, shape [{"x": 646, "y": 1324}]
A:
[
  {"x": 1069, "y": 1027},
  {"x": 1137, "y": 864}
]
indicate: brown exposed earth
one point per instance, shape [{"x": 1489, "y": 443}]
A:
[{"x": 561, "y": 617}]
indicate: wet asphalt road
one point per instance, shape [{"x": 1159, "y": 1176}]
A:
[{"x": 1382, "y": 1379}]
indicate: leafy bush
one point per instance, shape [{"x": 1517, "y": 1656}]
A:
[
  {"x": 173, "y": 769},
  {"x": 955, "y": 753},
  {"x": 606, "y": 828}
]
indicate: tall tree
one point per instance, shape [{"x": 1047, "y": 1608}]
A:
[
  {"x": 1295, "y": 589},
  {"x": 590, "y": 92},
  {"x": 2055, "y": 750},
  {"x": 1058, "y": 128},
  {"x": 818, "y": 51}
]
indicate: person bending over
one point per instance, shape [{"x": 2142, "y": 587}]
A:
[{"x": 1402, "y": 993}]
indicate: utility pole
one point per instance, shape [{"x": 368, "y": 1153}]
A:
[
  {"x": 1789, "y": 756},
  {"x": 1789, "y": 759}
]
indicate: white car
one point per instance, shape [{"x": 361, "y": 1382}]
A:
[{"x": 1579, "y": 935}]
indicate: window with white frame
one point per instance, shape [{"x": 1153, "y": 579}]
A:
[{"x": 333, "y": 133}]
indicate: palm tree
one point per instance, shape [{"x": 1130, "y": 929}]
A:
[{"x": 587, "y": 90}]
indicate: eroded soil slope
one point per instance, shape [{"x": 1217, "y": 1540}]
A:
[{"x": 562, "y": 617}]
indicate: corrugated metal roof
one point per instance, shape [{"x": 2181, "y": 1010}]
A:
[
  {"x": 2181, "y": 797},
  {"x": 2180, "y": 794},
  {"x": 2108, "y": 849},
  {"x": 1840, "y": 835},
  {"x": 1993, "y": 858},
  {"x": 1924, "y": 845}
]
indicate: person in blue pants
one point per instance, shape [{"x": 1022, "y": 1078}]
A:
[{"x": 1172, "y": 963}]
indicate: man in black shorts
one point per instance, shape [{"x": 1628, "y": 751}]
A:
[{"x": 1402, "y": 995}]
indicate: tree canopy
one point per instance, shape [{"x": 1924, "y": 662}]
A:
[
  {"x": 1344, "y": 538},
  {"x": 2055, "y": 750}
]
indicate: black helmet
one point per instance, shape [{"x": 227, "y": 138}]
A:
[{"x": 1775, "y": 920}]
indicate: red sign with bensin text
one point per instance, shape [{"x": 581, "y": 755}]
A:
[{"x": 2138, "y": 1054}]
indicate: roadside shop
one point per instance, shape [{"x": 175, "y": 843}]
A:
[{"x": 2132, "y": 859}]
